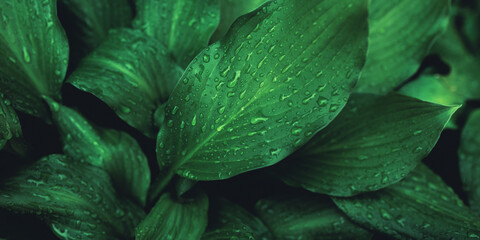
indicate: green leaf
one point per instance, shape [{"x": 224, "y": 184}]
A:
[
  {"x": 230, "y": 231},
  {"x": 116, "y": 152},
  {"x": 469, "y": 160},
  {"x": 184, "y": 26},
  {"x": 421, "y": 206},
  {"x": 9, "y": 124},
  {"x": 87, "y": 22},
  {"x": 230, "y": 10},
  {"x": 306, "y": 216},
  {"x": 173, "y": 218},
  {"x": 401, "y": 33},
  {"x": 132, "y": 73},
  {"x": 227, "y": 215},
  {"x": 33, "y": 54},
  {"x": 374, "y": 142},
  {"x": 253, "y": 98},
  {"x": 75, "y": 199}
]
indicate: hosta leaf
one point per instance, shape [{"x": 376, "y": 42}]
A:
[
  {"x": 75, "y": 199},
  {"x": 253, "y": 98},
  {"x": 87, "y": 22},
  {"x": 9, "y": 124},
  {"x": 401, "y": 33},
  {"x": 469, "y": 157},
  {"x": 307, "y": 216},
  {"x": 227, "y": 216},
  {"x": 33, "y": 53},
  {"x": 184, "y": 26},
  {"x": 230, "y": 231},
  {"x": 173, "y": 218},
  {"x": 230, "y": 10},
  {"x": 419, "y": 207},
  {"x": 132, "y": 73},
  {"x": 116, "y": 152},
  {"x": 374, "y": 142}
]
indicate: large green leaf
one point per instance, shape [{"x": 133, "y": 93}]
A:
[
  {"x": 307, "y": 216},
  {"x": 9, "y": 124},
  {"x": 253, "y": 98},
  {"x": 33, "y": 53},
  {"x": 374, "y": 142},
  {"x": 184, "y": 26},
  {"x": 87, "y": 22},
  {"x": 117, "y": 152},
  {"x": 173, "y": 218},
  {"x": 132, "y": 73},
  {"x": 469, "y": 160},
  {"x": 75, "y": 199},
  {"x": 401, "y": 33},
  {"x": 419, "y": 207},
  {"x": 230, "y": 231}
]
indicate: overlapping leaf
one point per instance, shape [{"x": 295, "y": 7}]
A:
[
  {"x": 173, "y": 218},
  {"x": 305, "y": 216},
  {"x": 132, "y": 73},
  {"x": 419, "y": 207},
  {"x": 469, "y": 160},
  {"x": 253, "y": 98},
  {"x": 33, "y": 53},
  {"x": 374, "y": 142},
  {"x": 183, "y": 26},
  {"x": 9, "y": 124},
  {"x": 401, "y": 33},
  {"x": 75, "y": 199},
  {"x": 116, "y": 152}
]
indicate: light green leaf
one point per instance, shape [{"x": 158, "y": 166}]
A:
[
  {"x": 132, "y": 73},
  {"x": 230, "y": 10},
  {"x": 184, "y": 26},
  {"x": 469, "y": 160},
  {"x": 116, "y": 152},
  {"x": 230, "y": 231},
  {"x": 306, "y": 216},
  {"x": 173, "y": 218},
  {"x": 227, "y": 216},
  {"x": 421, "y": 206},
  {"x": 401, "y": 33},
  {"x": 87, "y": 22},
  {"x": 33, "y": 53},
  {"x": 253, "y": 98},
  {"x": 9, "y": 124},
  {"x": 75, "y": 199},
  {"x": 374, "y": 142}
]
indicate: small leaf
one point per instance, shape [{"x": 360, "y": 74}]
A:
[
  {"x": 172, "y": 218},
  {"x": 253, "y": 98},
  {"x": 401, "y": 33},
  {"x": 116, "y": 152},
  {"x": 374, "y": 142},
  {"x": 9, "y": 124},
  {"x": 75, "y": 199},
  {"x": 469, "y": 160},
  {"x": 33, "y": 53},
  {"x": 184, "y": 26},
  {"x": 87, "y": 22},
  {"x": 132, "y": 73},
  {"x": 421, "y": 206},
  {"x": 306, "y": 216}
]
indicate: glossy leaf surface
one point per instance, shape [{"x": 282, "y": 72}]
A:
[
  {"x": 75, "y": 199},
  {"x": 469, "y": 160},
  {"x": 253, "y": 98},
  {"x": 374, "y": 142},
  {"x": 132, "y": 73},
  {"x": 116, "y": 152},
  {"x": 9, "y": 124},
  {"x": 230, "y": 231},
  {"x": 307, "y": 216},
  {"x": 183, "y": 26},
  {"x": 173, "y": 218},
  {"x": 421, "y": 206},
  {"x": 401, "y": 33},
  {"x": 33, "y": 53}
]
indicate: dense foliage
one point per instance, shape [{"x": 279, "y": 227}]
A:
[{"x": 239, "y": 119}]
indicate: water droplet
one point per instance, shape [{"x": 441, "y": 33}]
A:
[
  {"x": 256, "y": 120},
  {"x": 333, "y": 107},
  {"x": 221, "y": 110},
  {"x": 322, "y": 101},
  {"x": 418, "y": 132},
  {"x": 296, "y": 131},
  {"x": 26, "y": 55},
  {"x": 194, "y": 120}
]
